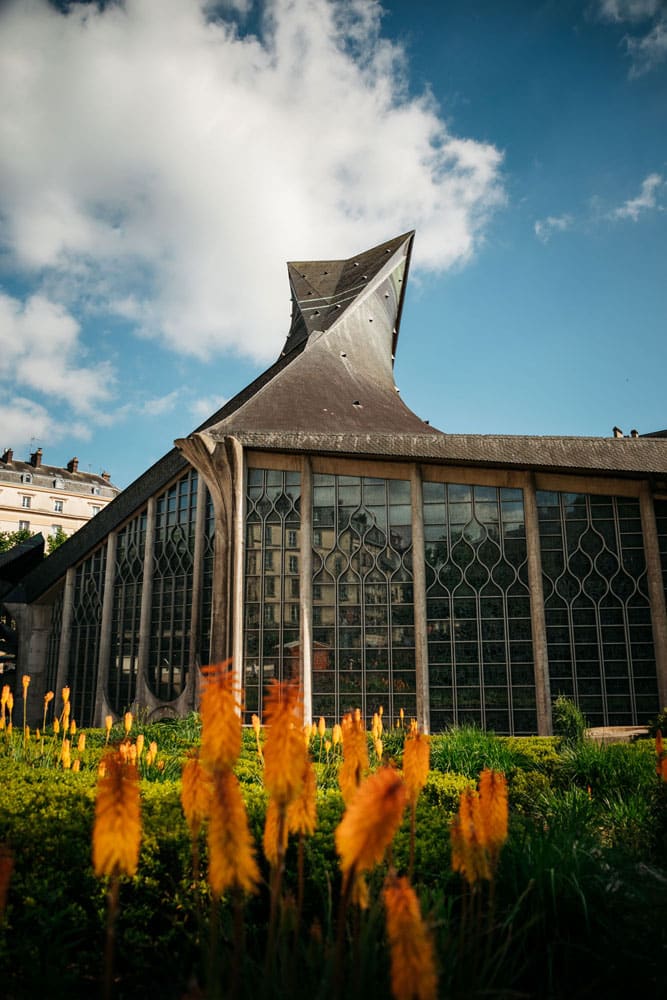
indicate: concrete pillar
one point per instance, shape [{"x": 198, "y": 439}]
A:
[
  {"x": 104, "y": 655},
  {"x": 306, "y": 589},
  {"x": 656, "y": 590},
  {"x": 143, "y": 694},
  {"x": 537, "y": 617},
  {"x": 419, "y": 596},
  {"x": 62, "y": 673}
]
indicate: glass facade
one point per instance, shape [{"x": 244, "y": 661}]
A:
[
  {"x": 478, "y": 608},
  {"x": 661, "y": 522},
  {"x": 207, "y": 583},
  {"x": 54, "y": 641},
  {"x": 598, "y": 617},
  {"x": 126, "y": 613},
  {"x": 272, "y": 582},
  {"x": 363, "y": 610},
  {"x": 171, "y": 606},
  {"x": 85, "y": 634}
]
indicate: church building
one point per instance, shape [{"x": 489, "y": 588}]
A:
[{"x": 316, "y": 529}]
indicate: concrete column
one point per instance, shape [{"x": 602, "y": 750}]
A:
[
  {"x": 238, "y": 492},
  {"x": 537, "y": 617},
  {"x": 306, "y": 589},
  {"x": 104, "y": 655},
  {"x": 143, "y": 695},
  {"x": 419, "y": 596},
  {"x": 65, "y": 631},
  {"x": 656, "y": 590}
]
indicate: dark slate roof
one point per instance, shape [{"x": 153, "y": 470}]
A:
[
  {"x": 612, "y": 456},
  {"x": 342, "y": 381},
  {"x": 9, "y": 470},
  {"x": 19, "y": 560}
]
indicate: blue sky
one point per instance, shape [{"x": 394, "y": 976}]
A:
[{"x": 161, "y": 160}]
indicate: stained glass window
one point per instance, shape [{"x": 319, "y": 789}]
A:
[{"x": 126, "y": 613}]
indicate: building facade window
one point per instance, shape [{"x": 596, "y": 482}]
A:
[
  {"x": 271, "y": 634},
  {"x": 598, "y": 616},
  {"x": 94, "y": 509},
  {"x": 478, "y": 608},
  {"x": 85, "y": 635},
  {"x": 26, "y": 502},
  {"x": 363, "y": 612},
  {"x": 58, "y": 506},
  {"x": 24, "y": 525},
  {"x": 126, "y": 612}
]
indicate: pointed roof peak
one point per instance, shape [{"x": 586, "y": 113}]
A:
[{"x": 323, "y": 290}]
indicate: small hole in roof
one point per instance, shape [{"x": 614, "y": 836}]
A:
[
  {"x": 326, "y": 272},
  {"x": 387, "y": 251},
  {"x": 337, "y": 307},
  {"x": 356, "y": 402},
  {"x": 355, "y": 264},
  {"x": 343, "y": 354},
  {"x": 316, "y": 313}
]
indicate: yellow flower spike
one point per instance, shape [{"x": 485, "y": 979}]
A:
[
  {"x": 302, "y": 812},
  {"x": 139, "y": 743},
  {"x": 336, "y": 735},
  {"x": 5, "y": 695},
  {"x": 416, "y": 759},
  {"x": 65, "y": 755},
  {"x": 10, "y": 702},
  {"x": 49, "y": 696},
  {"x": 378, "y": 748},
  {"x": 56, "y": 727},
  {"x": 355, "y": 756},
  {"x": 494, "y": 811},
  {"x": 284, "y": 750},
  {"x": 101, "y": 768},
  {"x": 152, "y": 750},
  {"x": 25, "y": 681},
  {"x": 196, "y": 792},
  {"x": 65, "y": 695},
  {"x": 67, "y": 708},
  {"x": 327, "y": 746},
  {"x": 108, "y": 723},
  {"x": 117, "y": 827},
  {"x": 2, "y": 721},
  {"x": 273, "y": 845},
  {"x": 124, "y": 754},
  {"x": 256, "y": 725},
  {"x": 38, "y": 735},
  {"x": 132, "y": 753},
  {"x": 72, "y": 728},
  {"x": 127, "y": 723},
  {"x": 321, "y": 727},
  {"x": 467, "y": 836},
  {"x": 26, "y": 733},
  {"x": 381, "y": 711},
  {"x": 370, "y": 821},
  {"x": 76, "y": 766},
  {"x": 413, "y": 972},
  {"x": 231, "y": 856},
  {"x": 221, "y": 721},
  {"x": 81, "y": 745}
]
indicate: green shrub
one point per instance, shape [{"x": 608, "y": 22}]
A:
[
  {"x": 568, "y": 720},
  {"x": 468, "y": 750}
]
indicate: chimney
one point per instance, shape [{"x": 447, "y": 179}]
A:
[
  {"x": 8, "y": 456},
  {"x": 36, "y": 458},
  {"x": 634, "y": 433},
  {"x": 617, "y": 432},
  {"x": 106, "y": 476},
  {"x": 73, "y": 465}
]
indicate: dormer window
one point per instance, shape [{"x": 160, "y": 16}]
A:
[
  {"x": 59, "y": 484},
  {"x": 26, "y": 477},
  {"x": 95, "y": 490}
]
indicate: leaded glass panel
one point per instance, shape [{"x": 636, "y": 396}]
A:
[
  {"x": 126, "y": 613},
  {"x": 363, "y": 610},
  {"x": 85, "y": 635},
  {"x": 207, "y": 581},
  {"x": 272, "y": 573},
  {"x": 661, "y": 521},
  {"x": 598, "y": 620},
  {"x": 171, "y": 606},
  {"x": 54, "y": 641},
  {"x": 478, "y": 608}
]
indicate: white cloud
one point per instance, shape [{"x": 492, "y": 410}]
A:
[
  {"x": 39, "y": 351},
  {"x": 544, "y": 228},
  {"x": 23, "y": 420},
  {"x": 159, "y": 405},
  {"x": 646, "y": 49},
  {"x": 158, "y": 164},
  {"x": 201, "y": 409},
  {"x": 645, "y": 200}
]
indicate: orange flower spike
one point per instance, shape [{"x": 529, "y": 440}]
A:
[
  {"x": 473, "y": 858},
  {"x": 81, "y": 745},
  {"x": 67, "y": 708},
  {"x": 10, "y": 702},
  {"x": 127, "y": 723},
  {"x": 273, "y": 849},
  {"x": 284, "y": 750},
  {"x": 355, "y": 755},
  {"x": 196, "y": 792},
  {"x": 72, "y": 728},
  {"x": 5, "y": 695},
  {"x": 416, "y": 760},
  {"x": 336, "y": 735},
  {"x": 117, "y": 828},
  {"x": 221, "y": 721},
  {"x": 49, "y": 696},
  {"x": 413, "y": 972},
  {"x": 302, "y": 812},
  {"x": 65, "y": 695},
  {"x": 108, "y": 723},
  {"x": 321, "y": 727},
  {"x": 370, "y": 820},
  {"x": 56, "y": 727},
  {"x": 76, "y": 765},
  {"x": 231, "y": 857},
  {"x": 25, "y": 681},
  {"x": 139, "y": 743},
  {"x": 494, "y": 809}
]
